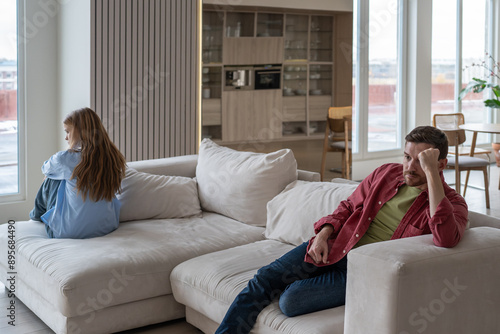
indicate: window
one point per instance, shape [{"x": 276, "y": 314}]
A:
[
  {"x": 453, "y": 53},
  {"x": 383, "y": 75},
  {"x": 378, "y": 69},
  {"x": 9, "y": 142},
  {"x": 474, "y": 45},
  {"x": 444, "y": 46}
]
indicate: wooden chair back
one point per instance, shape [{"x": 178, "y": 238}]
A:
[
  {"x": 448, "y": 121},
  {"x": 338, "y": 129}
]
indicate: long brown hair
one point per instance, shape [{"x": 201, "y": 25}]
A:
[{"x": 102, "y": 166}]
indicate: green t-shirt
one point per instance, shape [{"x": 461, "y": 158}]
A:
[{"x": 388, "y": 218}]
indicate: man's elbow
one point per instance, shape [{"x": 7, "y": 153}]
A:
[{"x": 447, "y": 242}]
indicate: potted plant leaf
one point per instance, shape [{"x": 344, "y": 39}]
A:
[{"x": 477, "y": 85}]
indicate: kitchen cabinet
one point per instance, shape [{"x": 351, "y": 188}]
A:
[
  {"x": 296, "y": 37},
  {"x": 251, "y": 115},
  {"x": 312, "y": 49},
  {"x": 213, "y": 24},
  {"x": 307, "y": 71},
  {"x": 240, "y": 24},
  {"x": 243, "y": 44},
  {"x": 253, "y": 50},
  {"x": 269, "y": 25},
  {"x": 211, "y": 106},
  {"x": 321, "y": 37}
]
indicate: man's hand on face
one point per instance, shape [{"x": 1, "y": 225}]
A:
[{"x": 429, "y": 160}]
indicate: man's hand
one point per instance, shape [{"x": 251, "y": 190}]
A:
[
  {"x": 432, "y": 166},
  {"x": 429, "y": 160},
  {"x": 319, "y": 248}
]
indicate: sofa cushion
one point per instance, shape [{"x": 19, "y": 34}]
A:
[
  {"x": 132, "y": 263},
  {"x": 150, "y": 196},
  {"x": 291, "y": 215},
  {"x": 239, "y": 184},
  {"x": 208, "y": 284}
]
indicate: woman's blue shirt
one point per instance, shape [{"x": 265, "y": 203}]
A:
[{"x": 72, "y": 216}]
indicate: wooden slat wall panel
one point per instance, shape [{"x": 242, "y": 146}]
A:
[{"x": 144, "y": 76}]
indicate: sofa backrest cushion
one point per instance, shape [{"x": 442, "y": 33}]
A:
[
  {"x": 150, "y": 196},
  {"x": 184, "y": 165},
  {"x": 291, "y": 215},
  {"x": 239, "y": 184}
]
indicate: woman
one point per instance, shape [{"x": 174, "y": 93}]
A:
[{"x": 77, "y": 198}]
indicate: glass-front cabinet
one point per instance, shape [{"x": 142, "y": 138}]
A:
[
  {"x": 320, "y": 80},
  {"x": 211, "y": 77},
  {"x": 307, "y": 74},
  {"x": 240, "y": 24},
  {"x": 212, "y": 37},
  {"x": 301, "y": 44},
  {"x": 320, "y": 94},
  {"x": 295, "y": 100},
  {"x": 321, "y": 39},
  {"x": 269, "y": 25},
  {"x": 296, "y": 36},
  {"x": 211, "y": 93},
  {"x": 295, "y": 80}
]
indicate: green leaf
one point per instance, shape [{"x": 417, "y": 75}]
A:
[
  {"x": 492, "y": 103},
  {"x": 475, "y": 86},
  {"x": 496, "y": 90}
]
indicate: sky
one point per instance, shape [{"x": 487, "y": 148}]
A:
[{"x": 8, "y": 29}]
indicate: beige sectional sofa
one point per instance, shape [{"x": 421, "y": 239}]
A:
[{"x": 194, "y": 232}]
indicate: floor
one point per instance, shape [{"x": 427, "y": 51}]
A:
[{"x": 308, "y": 159}]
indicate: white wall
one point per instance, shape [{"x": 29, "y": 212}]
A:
[
  {"x": 74, "y": 58},
  {"x": 331, "y": 5},
  {"x": 41, "y": 116}
]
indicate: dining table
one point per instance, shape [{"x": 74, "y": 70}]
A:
[{"x": 480, "y": 128}]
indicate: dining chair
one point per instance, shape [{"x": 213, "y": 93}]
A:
[
  {"x": 338, "y": 134},
  {"x": 453, "y": 121},
  {"x": 459, "y": 163}
]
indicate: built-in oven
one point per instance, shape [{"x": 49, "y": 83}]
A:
[{"x": 268, "y": 77}]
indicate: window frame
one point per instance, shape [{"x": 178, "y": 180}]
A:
[
  {"x": 21, "y": 114},
  {"x": 490, "y": 35},
  {"x": 360, "y": 149}
]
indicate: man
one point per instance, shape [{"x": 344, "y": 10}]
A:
[{"x": 395, "y": 201}]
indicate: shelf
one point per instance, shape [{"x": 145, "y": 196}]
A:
[
  {"x": 294, "y": 31},
  {"x": 213, "y": 48},
  {"x": 305, "y": 46}
]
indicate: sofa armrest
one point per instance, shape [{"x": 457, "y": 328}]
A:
[
  {"x": 477, "y": 219},
  {"x": 412, "y": 286}
]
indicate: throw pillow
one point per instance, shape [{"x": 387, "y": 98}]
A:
[
  {"x": 291, "y": 215},
  {"x": 239, "y": 184},
  {"x": 150, "y": 196}
]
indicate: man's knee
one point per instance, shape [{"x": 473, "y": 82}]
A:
[{"x": 288, "y": 306}]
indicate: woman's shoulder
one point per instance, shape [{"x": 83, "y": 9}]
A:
[
  {"x": 68, "y": 154},
  {"x": 65, "y": 158}
]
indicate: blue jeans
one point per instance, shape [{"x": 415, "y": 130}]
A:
[
  {"x": 301, "y": 287},
  {"x": 45, "y": 200}
]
